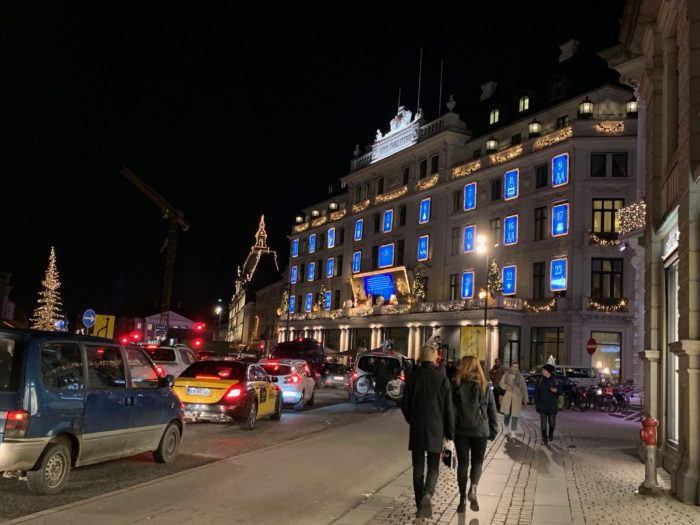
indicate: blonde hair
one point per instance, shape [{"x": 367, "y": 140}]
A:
[
  {"x": 470, "y": 370},
  {"x": 429, "y": 353}
]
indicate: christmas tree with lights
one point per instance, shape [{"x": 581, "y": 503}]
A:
[
  {"x": 48, "y": 313},
  {"x": 494, "y": 278},
  {"x": 284, "y": 306},
  {"x": 418, "y": 285},
  {"x": 321, "y": 300}
]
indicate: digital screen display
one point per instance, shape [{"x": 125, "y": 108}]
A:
[
  {"x": 509, "y": 276},
  {"x": 327, "y": 301},
  {"x": 358, "y": 229},
  {"x": 470, "y": 196},
  {"x": 331, "y": 237},
  {"x": 560, "y": 170},
  {"x": 511, "y": 186},
  {"x": 469, "y": 236},
  {"x": 380, "y": 284},
  {"x": 424, "y": 215},
  {"x": 386, "y": 255},
  {"x": 560, "y": 219},
  {"x": 388, "y": 221},
  {"x": 356, "y": 261},
  {"x": 557, "y": 275},
  {"x": 292, "y": 304},
  {"x": 330, "y": 266},
  {"x": 423, "y": 245},
  {"x": 295, "y": 248},
  {"x": 312, "y": 243},
  {"x": 510, "y": 230},
  {"x": 293, "y": 275},
  {"x": 309, "y": 302},
  {"x": 467, "y": 285},
  {"x": 311, "y": 272}
]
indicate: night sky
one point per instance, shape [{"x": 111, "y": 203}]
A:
[{"x": 229, "y": 113}]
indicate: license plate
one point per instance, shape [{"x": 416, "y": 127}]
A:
[
  {"x": 338, "y": 378},
  {"x": 195, "y": 391}
]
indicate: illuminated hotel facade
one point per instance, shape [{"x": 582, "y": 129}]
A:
[{"x": 540, "y": 193}]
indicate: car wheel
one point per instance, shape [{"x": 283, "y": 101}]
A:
[
  {"x": 311, "y": 401},
  {"x": 52, "y": 471},
  {"x": 249, "y": 423},
  {"x": 277, "y": 415},
  {"x": 169, "y": 445},
  {"x": 300, "y": 405}
]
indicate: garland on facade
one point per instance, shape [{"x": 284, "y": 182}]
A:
[
  {"x": 619, "y": 306},
  {"x": 547, "y": 307},
  {"x": 495, "y": 283},
  {"x": 599, "y": 241}
]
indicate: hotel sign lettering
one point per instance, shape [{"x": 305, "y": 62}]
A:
[{"x": 396, "y": 141}]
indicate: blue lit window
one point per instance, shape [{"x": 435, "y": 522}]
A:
[
  {"x": 356, "y": 261},
  {"x": 331, "y": 237},
  {"x": 557, "y": 274},
  {"x": 509, "y": 278},
  {"x": 469, "y": 236},
  {"x": 312, "y": 243},
  {"x": 330, "y": 266},
  {"x": 293, "y": 275},
  {"x": 388, "y": 223},
  {"x": 560, "y": 219},
  {"x": 295, "y": 248},
  {"x": 470, "y": 196},
  {"x": 292, "y": 304},
  {"x": 386, "y": 255},
  {"x": 424, "y": 214},
  {"x": 467, "y": 285},
  {"x": 560, "y": 170},
  {"x": 510, "y": 230},
  {"x": 511, "y": 185},
  {"x": 309, "y": 302},
  {"x": 423, "y": 246},
  {"x": 311, "y": 273},
  {"x": 359, "y": 223},
  {"x": 327, "y": 300}
]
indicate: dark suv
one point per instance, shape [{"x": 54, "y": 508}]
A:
[{"x": 308, "y": 350}]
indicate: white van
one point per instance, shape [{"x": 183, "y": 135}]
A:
[{"x": 581, "y": 375}]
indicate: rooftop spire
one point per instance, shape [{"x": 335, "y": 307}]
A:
[{"x": 261, "y": 235}]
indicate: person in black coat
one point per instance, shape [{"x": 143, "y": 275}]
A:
[
  {"x": 427, "y": 407},
  {"x": 381, "y": 378},
  {"x": 547, "y": 391}
]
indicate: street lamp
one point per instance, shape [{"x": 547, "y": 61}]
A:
[
  {"x": 218, "y": 311},
  {"x": 481, "y": 249}
]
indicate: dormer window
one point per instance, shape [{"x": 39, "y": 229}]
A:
[
  {"x": 524, "y": 104},
  {"x": 493, "y": 116}
]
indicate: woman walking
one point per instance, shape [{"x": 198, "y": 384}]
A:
[
  {"x": 546, "y": 395},
  {"x": 476, "y": 421},
  {"x": 515, "y": 395}
]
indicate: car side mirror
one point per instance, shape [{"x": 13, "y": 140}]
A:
[
  {"x": 273, "y": 379},
  {"x": 167, "y": 381}
]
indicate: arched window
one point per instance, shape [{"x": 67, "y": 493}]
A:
[
  {"x": 524, "y": 104},
  {"x": 493, "y": 116}
]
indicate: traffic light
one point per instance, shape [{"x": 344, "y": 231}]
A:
[
  {"x": 124, "y": 339},
  {"x": 199, "y": 327},
  {"x": 197, "y": 342}
]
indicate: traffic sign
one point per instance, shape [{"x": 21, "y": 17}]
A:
[
  {"x": 591, "y": 346},
  {"x": 89, "y": 318}
]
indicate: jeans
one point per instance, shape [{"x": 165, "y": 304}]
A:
[
  {"x": 547, "y": 418},
  {"x": 477, "y": 447},
  {"x": 507, "y": 419},
  {"x": 425, "y": 485}
]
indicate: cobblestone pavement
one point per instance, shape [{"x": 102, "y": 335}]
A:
[{"x": 588, "y": 475}]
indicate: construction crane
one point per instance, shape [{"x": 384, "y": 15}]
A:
[{"x": 176, "y": 221}]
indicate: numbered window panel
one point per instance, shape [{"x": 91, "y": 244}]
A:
[
  {"x": 312, "y": 243},
  {"x": 469, "y": 237},
  {"x": 356, "y": 262},
  {"x": 470, "y": 196},
  {"x": 388, "y": 221},
  {"x": 558, "y": 274},
  {"x": 560, "y": 170},
  {"x": 295, "y": 248},
  {"x": 292, "y": 304},
  {"x": 511, "y": 185},
  {"x": 386, "y": 255},
  {"x": 327, "y": 300},
  {"x": 509, "y": 277},
  {"x": 294, "y": 274},
  {"x": 311, "y": 272},
  {"x": 331, "y": 237},
  {"x": 359, "y": 226},
  {"x": 424, "y": 212},
  {"x": 308, "y": 303},
  {"x": 560, "y": 219},
  {"x": 510, "y": 230},
  {"x": 423, "y": 247},
  {"x": 467, "y": 285},
  {"x": 330, "y": 267}
]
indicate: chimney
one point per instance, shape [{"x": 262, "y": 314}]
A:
[
  {"x": 487, "y": 90},
  {"x": 568, "y": 49}
]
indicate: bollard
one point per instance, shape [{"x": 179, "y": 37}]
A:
[{"x": 647, "y": 433}]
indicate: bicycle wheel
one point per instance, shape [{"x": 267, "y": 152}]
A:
[
  {"x": 394, "y": 389},
  {"x": 363, "y": 385}
]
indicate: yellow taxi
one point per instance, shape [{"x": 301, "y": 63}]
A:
[{"x": 229, "y": 391}]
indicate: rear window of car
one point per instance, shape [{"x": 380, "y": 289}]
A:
[
  {"x": 368, "y": 362},
  {"x": 337, "y": 369},
  {"x": 10, "y": 363},
  {"x": 580, "y": 373},
  {"x": 214, "y": 369},
  {"x": 277, "y": 370},
  {"x": 162, "y": 355}
]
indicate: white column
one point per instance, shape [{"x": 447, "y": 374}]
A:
[{"x": 411, "y": 336}]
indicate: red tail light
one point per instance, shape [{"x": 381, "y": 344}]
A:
[
  {"x": 234, "y": 392},
  {"x": 17, "y": 424},
  {"x": 354, "y": 375},
  {"x": 160, "y": 371},
  {"x": 206, "y": 376},
  {"x": 294, "y": 379},
  {"x": 402, "y": 376}
]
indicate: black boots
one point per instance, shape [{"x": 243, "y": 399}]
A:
[
  {"x": 462, "y": 506},
  {"x": 472, "y": 498}
]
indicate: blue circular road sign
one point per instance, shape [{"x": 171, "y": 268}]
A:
[{"x": 89, "y": 318}]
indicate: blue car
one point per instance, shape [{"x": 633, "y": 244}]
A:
[{"x": 68, "y": 401}]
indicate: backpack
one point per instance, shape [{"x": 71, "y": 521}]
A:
[{"x": 464, "y": 398}]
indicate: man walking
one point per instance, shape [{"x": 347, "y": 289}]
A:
[
  {"x": 495, "y": 375},
  {"x": 381, "y": 378},
  {"x": 427, "y": 407}
]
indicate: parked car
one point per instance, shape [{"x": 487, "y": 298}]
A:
[
  {"x": 581, "y": 375},
  {"x": 335, "y": 375},
  {"x": 360, "y": 388},
  {"x": 68, "y": 401},
  {"x": 171, "y": 360},
  {"x": 225, "y": 391},
  {"x": 295, "y": 378}
]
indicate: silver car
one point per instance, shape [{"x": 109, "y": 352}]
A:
[{"x": 335, "y": 375}]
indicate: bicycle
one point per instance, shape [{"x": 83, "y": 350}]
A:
[{"x": 365, "y": 384}]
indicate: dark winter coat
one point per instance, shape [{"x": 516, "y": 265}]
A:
[
  {"x": 381, "y": 375},
  {"x": 473, "y": 405},
  {"x": 545, "y": 399},
  {"x": 427, "y": 407}
]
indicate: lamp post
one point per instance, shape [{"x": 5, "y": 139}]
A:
[
  {"x": 218, "y": 311},
  {"x": 481, "y": 249}
]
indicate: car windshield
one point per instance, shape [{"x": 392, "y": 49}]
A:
[
  {"x": 216, "y": 370},
  {"x": 10, "y": 363},
  {"x": 275, "y": 369},
  {"x": 368, "y": 362},
  {"x": 162, "y": 355}
]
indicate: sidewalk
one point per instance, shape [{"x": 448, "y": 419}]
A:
[{"x": 587, "y": 476}]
